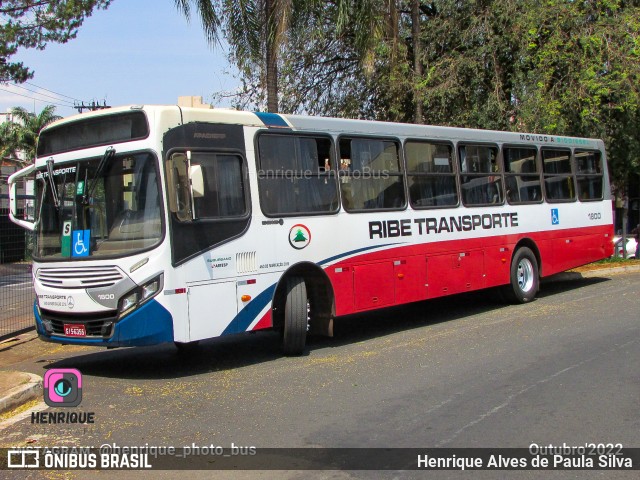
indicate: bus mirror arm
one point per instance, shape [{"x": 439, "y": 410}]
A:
[{"x": 13, "y": 198}]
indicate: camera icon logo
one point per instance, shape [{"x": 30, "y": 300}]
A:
[{"x": 63, "y": 387}]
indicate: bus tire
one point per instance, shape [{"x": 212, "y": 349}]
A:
[
  {"x": 525, "y": 280},
  {"x": 188, "y": 348},
  {"x": 296, "y": 317}
]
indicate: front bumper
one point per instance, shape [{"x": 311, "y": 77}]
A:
[{"x": 150, "y": 324}]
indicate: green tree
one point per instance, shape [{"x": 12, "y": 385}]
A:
[
  {"x": 34, "y": 24},
  {"x": 21, "y": 133},
  {"x": 329, "y": 54},
  {"x": 254, "y": 29},
  {"x": 581, "y": 75},
  {"x": 259, "y": 31}
]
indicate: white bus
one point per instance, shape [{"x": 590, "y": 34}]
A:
[{"x": 165, "y": 224}]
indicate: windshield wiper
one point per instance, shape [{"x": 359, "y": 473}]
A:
[
  {"x": 109, "y": 153},
  {"x": 54, "y": 190}
]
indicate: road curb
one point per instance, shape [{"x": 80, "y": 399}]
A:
[
  {"x": 21, "y": 394},
  {"x": 611, "y": 270},
  {"x": 599, "y": 272}
]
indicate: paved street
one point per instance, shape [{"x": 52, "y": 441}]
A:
[{"x": 459, "y": 372}]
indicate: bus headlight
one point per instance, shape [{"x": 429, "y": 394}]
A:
[
  {"x": 150, "y": 289},
  {"x": 135, "y": 298},
  {"x": 128, "y": 302}
]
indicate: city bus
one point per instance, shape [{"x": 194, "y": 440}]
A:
[{"x": 159, "y": 224}]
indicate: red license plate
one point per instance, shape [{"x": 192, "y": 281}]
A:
[{"x": 71, "y": 330}]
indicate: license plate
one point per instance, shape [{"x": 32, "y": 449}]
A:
[{"x": 71, "y": 330}]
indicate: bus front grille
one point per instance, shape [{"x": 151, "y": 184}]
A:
[
  {"x": 79, "y": 277},
  {"x": 96, "y": 325}
]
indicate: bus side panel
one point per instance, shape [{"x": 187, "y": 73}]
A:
[
  {"x": 576, "y": 250},
  {"x": 341, "y": 278},
  {"x": 455, "y": 272},
  {"x": 497, "y": 260},
  {"x": 373, "y": 285},
  {"x": 410, "y": 277},
  {"x": 212, "y": 307}
]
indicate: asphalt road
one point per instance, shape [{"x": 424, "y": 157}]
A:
[{"x": 465, "y": 371}]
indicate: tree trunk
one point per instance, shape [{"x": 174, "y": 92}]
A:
[
  {"x": 417, "y": 62},
  {"x": 271, "y": 58}
]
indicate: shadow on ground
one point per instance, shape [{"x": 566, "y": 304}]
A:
[{"x": 242, "y": 350}]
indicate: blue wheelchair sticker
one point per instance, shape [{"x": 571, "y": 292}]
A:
[
  {"x": 555, "y": 217},
  {"x": 80, "y": 244}
]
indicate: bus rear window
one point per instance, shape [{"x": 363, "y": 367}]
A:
[{"x": 93, "y": 132}]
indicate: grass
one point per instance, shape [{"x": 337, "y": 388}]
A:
[{"x": 616, "y": 261}]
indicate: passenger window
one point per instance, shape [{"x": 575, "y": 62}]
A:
[
  {"x": 522, "y": 176},
  {"x": 589, "y": 174},
  {"x": 370, "y": 175},
  {"x": 295, "y": 175},
  {"x": 558, "y": 178},
  {"x": 223, "y": 182},
  {"x": 480, "y": 175},
  {"x": 432, "y": 180}
]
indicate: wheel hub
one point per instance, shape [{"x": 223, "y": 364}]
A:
[{"x": 525, "y": 275}]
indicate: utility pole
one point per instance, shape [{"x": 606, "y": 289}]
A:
[{"x": 92, "y": 107}]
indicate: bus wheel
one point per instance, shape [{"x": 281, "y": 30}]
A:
[
  {"x": 296, "y": 317},
  {"x": 524, "y": 277},
  {"x": 187, "y": 348}
]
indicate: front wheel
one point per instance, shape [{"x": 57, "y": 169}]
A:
[
  {"x": 296, "y": 317},
  {"x": 524, "y": 277},
  {"x": 187, "y": 349}
]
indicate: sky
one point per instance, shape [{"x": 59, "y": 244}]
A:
[{"x": 135, "y": 52}]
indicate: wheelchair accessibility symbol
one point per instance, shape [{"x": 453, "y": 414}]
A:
[
  {"x": 80, "y": 243},
  {"x": 555, "y": 217}
]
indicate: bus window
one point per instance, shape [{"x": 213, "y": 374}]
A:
[
  {"x": 522, "y": 176},
  {"x": 294, "y": 175},
  {"x": 480, "y": 175},
  {"x": 432, "y": 180},
  {"x": 370, "y": 175},
  {"x": 558, "y": 178},
  {"x": 223, "y": 194},
  {"x": 589, "y": 174}
]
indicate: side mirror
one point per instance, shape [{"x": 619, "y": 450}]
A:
[
  {"x": 197, "y": 181},
  {"x": 13, "y": 198},
  {"x": 178, "y": 186}
]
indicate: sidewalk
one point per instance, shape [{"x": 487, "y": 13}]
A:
[{"x": 18, "y": 388}]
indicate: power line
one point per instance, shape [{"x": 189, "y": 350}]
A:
[
  {"x": 33, "y": 98},
  {"x": 55, "y": 93},
  {"x": 43, "y": 94}
]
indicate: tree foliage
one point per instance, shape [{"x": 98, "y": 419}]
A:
[
  {"x": 21, "y": 133},
  {"x": 34, "y": 24},
  {"x": 581, "y": 76},
  {"x": 261, "y": 31},
  {"x": 556, "y": 66}
]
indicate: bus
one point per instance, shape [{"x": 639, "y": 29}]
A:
[{"x": 159, "y": 224}]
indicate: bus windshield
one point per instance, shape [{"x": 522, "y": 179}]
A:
[{"x": 120, "y": 215}]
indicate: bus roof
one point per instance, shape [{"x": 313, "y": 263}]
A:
[{"x": 337, "y": 125}]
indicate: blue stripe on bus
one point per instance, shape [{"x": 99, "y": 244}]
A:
[
  {"x": 272, "y": 120},
  {"x": 248, "y": 314},
  {"x": 346, "y": 254}
]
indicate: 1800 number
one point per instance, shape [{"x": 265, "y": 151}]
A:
[{"x": 594, "y": 216}]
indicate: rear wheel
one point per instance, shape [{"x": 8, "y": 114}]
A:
[
  {"x": 296, "y": 317},
  {"x": 524, "y": 283}
]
